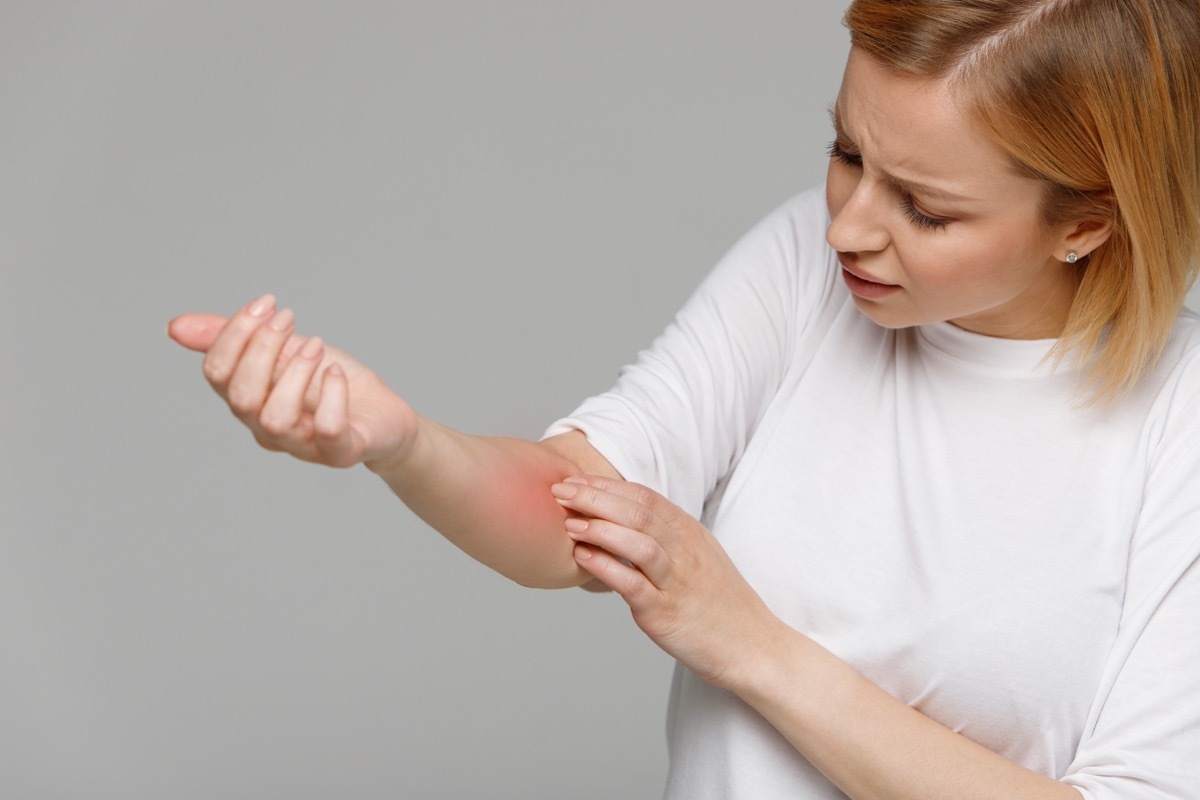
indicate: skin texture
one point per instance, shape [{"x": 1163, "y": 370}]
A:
[{"x": 992, "y": 267}]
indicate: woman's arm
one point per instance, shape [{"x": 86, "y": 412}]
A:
[
  {"x": 688, "y": 596},
  {"x": 490, "y": 497},
  {"x": 487, "y": 495},
  {"x": 870, "y": 744}
]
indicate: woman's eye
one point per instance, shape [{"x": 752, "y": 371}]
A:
[
  {"x": 922, "y": 221},
  {"x": 835, "y": 151}
]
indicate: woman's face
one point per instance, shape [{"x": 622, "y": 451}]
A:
[{"x": 930, "y": 221}]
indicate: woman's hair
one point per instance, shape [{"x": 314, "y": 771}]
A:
[{"x": 1099, "y": 100}]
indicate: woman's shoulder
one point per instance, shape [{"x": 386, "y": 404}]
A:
[
  {"x": 1170, "y": 392},
  {"x": 1187, "y": 327},
  {"x": 782, "y": 260},
  {"x": 805, "y": 217},
  {"x": 790, "y": 243},
  {"x": 1179, "y": 365}
]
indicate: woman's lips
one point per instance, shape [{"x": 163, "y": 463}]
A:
[{"x": 864, "y": 287}]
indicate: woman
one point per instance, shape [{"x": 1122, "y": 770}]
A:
[{"x": 942, "y": 424}]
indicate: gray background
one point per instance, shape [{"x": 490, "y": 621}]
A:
[{"x": 494, "y": 205}]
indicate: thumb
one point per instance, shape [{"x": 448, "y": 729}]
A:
[{"x": 196, "y": 331}]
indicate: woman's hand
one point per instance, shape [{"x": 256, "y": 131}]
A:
[
  {"x": 294, "y": 393},
  {"x": 682, "y": 588}
]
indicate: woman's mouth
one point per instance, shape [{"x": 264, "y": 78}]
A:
[{"x": 864, "y": 287}]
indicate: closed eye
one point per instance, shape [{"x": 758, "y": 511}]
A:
[
  {"x": 835, "y": 151},
  {"x": 922, "y": 221}
]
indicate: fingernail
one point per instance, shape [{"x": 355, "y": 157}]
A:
[
  {"x": 575, "y": 479},
  {"x": 262, "y": 305},
  {"x": 582, "y": 553},
  {"x": 563, "y": 491},
  {"x": 575, "y": 525},
  {"x": 312, "y": 347},
  {"x": 282, "y": 321}
]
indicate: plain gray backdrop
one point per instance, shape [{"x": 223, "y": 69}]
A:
[{"x": 495, "y": 205}]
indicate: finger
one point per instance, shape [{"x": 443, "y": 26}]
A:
[
  {"x": 661, "y": 507},
  {"x": 226, "y": 350},
  {"x": 251, "y": 381},
  {"x": 639, "y": 549},
  {"x": 591, "y": 501},
  {"x": 196, "y": 331},
  {"x": 331, "y": 422},
  {"x": 291, "y": 347},
  {"x": 623, "y": 579},
  {"x": 282, "y": 411},
  {"x": 266, "y": 443}
]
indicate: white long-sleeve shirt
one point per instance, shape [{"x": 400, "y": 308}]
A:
[{"x": 935, "y": 507}]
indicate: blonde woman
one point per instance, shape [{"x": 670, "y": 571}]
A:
[{"x": 911, "y": 486}]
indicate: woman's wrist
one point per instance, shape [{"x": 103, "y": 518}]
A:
[
  {"x": 394, "y": 462},
  {"x": 767, "y": 664}
]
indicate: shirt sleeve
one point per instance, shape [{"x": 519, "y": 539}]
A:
[
  {"x": 1143, "y": 739},
  {"x": 681, "y": 415}
]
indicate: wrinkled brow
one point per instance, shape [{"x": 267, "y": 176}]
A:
[{"x": 900, "y": 184}]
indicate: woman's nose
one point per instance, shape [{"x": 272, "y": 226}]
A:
[{"x": 857, "y": 217}]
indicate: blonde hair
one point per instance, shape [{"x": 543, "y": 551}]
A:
[{"x": 1100, "y": 100}]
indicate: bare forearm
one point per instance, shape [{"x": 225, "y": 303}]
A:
[
  {"x": 870, "y": 744},
  {"x": 490, "y": 497}
]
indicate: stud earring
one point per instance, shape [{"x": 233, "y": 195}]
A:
[{"x": 1072, "y": 257}]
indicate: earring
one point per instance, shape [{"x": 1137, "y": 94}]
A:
[{"x": 1072, "y": 257}]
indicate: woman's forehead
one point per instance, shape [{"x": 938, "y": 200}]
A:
[{"x": 917, "y": 131}]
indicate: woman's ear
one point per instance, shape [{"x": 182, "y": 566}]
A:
[{"x": 1084, "y": 237}]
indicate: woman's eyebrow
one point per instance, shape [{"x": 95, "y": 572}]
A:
[{"x": 900, "y": 184}]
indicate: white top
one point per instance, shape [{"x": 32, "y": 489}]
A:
[{"x": 934, "y": 507}]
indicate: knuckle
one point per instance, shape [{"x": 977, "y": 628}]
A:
[
  {"x": 242, "y": 401},
  {"x": 645, "y": 551},
  {"x": 274, "y": 423},
  {"x": 326, "y": 429},
  {"x": 673, "y": 518},
  {"x": 634, "y": 588},
  {"x": 641, "y": 518},
  {"x": 598, "y": 530},
  {"x": 266, "y": 443},
  {"x": 600, "y": 482},
  {"x": 214, "y": 371}
]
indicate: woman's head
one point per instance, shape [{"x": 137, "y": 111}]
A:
[
  {"x": 931, "y": 220},
  {"x": 1093, "y": 102}
]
